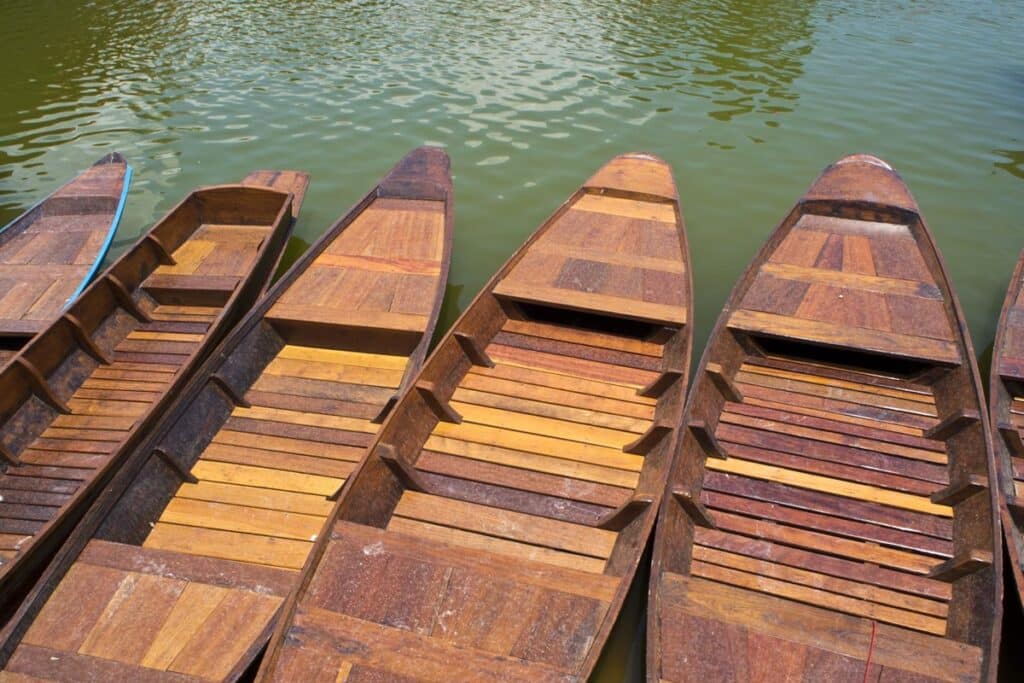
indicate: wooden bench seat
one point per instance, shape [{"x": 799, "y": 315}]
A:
[
  {"x": 837, "y": 335},
  {"x": 441, "y": 615},
  {"x": 841, "y": 646},
  {"x": 502, "y": 531},
  {"x": 199, "y": 619}
]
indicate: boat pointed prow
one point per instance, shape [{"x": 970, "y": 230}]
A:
[
  {"x": 864, "y": 179},
  {"x": 636, "y": 173}
]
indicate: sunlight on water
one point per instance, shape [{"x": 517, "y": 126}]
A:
[{"x": 748, "y": 101}]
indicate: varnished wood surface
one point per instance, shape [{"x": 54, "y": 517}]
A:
[
  {"x": 48, "y": 253},
  {"x": 830, "y": 513},
  {"x": 1006, "y": 401},
  {"x": 82, "y": 394},
  {"x": 248, "y": 458},
  {"x": 497, "y": 522}
]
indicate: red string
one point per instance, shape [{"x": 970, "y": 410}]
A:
[{"x": 871, "y": 649}]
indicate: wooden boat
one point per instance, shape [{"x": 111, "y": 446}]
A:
[
  {"x": 178, "y": 570},
  {"x": 81, "y": 394},
  {"x": 830, "y": 514},
  {"x": 1006, "y": 403},
  {"x": 494, "y": 528},
  {"x": 52, "y": 251}
]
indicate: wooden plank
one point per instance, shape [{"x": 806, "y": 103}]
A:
[
  {"x": 630, "y": 208},
  {"x": 128, "y": 557},
  {"x": 348, "y": 317},
  {"x": 145, "y": 335},
  {"x": 211, "y": 515},
  {"x": 354, "y": 374},
  {"x": 839, "y": 585},
  {"x": 282, "y": 444},
  {"x": 74, "y": 607},
  {"x": 582, "y": 336},
  {"x": 833, "y": 392},
  {"x": 299, "y": 417},
  {"x": 813, "y": 596},
  {"x": 194, "y": 606},
  {"x": 229, "y": 545},
  {"x": 250, "y": 496},
  {"x": 559, "y": 411},
  {"x": 499, "y": 546},
  {"x": 324, "y": 406},
  {"x": 44, "y": 663},
  {"x": 823, "y": 563},
  {"x": 231, "y": 629},
  {"x": 314, "y": 388},
  {"x": 339, "y": 357},
  {"x": 530, "y": 461},
  {"x": 904, "y": 389},
  {"x": 572, "y": 350},
  {"x": 814, "y": 331},
  {"x": 563, "y": 381},
  {"x": 599, "y": 255},
  {"x": 542, "y": 445},
  {"x": 537, "y": 424},
  {"x": 589, "y": 302},
  {"x": 573, "y": 367},
  {"x": 899, "y": 473},
  {"x": 508, "y": 524},
  {"x": 404, "y": 266},
  {"x": 139, "y": 607},
  {"x": 829, "y": 485},
  {"x": 941, "y": 658},
  {"x": 289, "y": 462},
  {"x": 867, "y": 283},
  {"x": 523, "y": 480},
  {"x": 402, "y": 654},
  {"x": 263, "y": 477},
  {"x": 559, "y": 397}
]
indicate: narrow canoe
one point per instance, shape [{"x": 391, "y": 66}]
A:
[
  {"x": 830, "y": 513},
  {"x": 1006, "y": 401},
  {"x": 495, "y": 526},
  {"x": 52, "y": 251},
  {"x": 178, "y": 570},
  {"x": 76, "y": 399}
]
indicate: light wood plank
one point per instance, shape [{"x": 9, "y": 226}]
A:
[
  {"x": 229, "y": 545},
  {"x": 262, "y": 477}
]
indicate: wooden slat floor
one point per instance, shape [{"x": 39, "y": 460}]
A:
[
  {"x": 542, "y": 430},
  {"x": 842, "y": 496},
  {"x": 104, "y": 410},
  {"x": 263, "y": 482}
]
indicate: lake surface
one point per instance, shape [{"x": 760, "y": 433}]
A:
[{"x": 747, "y": 101}]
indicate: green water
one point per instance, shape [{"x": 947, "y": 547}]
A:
[{"x": 747, "y": 101}]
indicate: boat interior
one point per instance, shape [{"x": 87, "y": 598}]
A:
[
  {"x": 502, "y": 510},
  {"x": 217, "y": 519},
  {"x": 73, "y": 398},
  {"x": 831, "y": 508},
  {"x": 48, "y": 253}
]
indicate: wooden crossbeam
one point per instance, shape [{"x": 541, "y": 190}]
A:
[
  {"x": 405, "y": 472},
  {"x": 965, "y": 563},
  {"x": 42, "y": 387},
  {"x": 1011, "y": 436},
  {"x": 161, "y": 250},
  {"x": 953, "y": 424},
  {"x": 960, "y": 490},
  {"x": 185, "y": 475},
  {"x": 386, "y": 410},
  {"x": 620, "y": 518},
  {"x": 440, "y": 407},
  {"x": 474, "y": 351},
  {"x": 218, "y": 381},
  {"x": 660, "y": 384},
  {"x": 85, "y": 340},
  {"x": 125, "y": 299},
  {"x": 722, "y": 382},
  {"x": 694, "y": 508},
  {"x": 707, "y": 440},
  {"x": 649, "y": 439}
]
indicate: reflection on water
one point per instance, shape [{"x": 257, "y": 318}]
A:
[{"x": 748, "y": 101}]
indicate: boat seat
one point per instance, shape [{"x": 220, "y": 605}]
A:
[
  {"x": 190, "y": 618},
  {"x": 790, "y": 637},
  {"x": 420, "y": 606},
  {"x": 609, "y": 256},
  {"x": 502, "y": 531}
]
